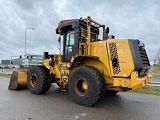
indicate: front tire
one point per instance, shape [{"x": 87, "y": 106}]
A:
[
  {"x": 37, "y": 80},
  {"x": 86, "y": 85}
]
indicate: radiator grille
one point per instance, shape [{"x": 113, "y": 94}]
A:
[
  {"x": 144, "y": 57},
  {"x": 114, "y": 58}
]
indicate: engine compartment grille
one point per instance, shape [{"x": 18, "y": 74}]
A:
[{"x": 144, "y": 57}]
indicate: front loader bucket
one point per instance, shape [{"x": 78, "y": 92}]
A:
[{"x": 18, "y": 79}]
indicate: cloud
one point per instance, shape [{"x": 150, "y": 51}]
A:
[{"x": 126, "y": 19}]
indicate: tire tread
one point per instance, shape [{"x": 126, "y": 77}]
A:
[
  {"x": 99, "y": 81},
  {"x": 44, "y": 75}
]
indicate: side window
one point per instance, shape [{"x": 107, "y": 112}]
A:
[
  {"x": 69, "y": 43},
  {"x": 70, "y": 38}
]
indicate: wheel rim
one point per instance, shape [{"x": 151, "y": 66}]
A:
[
  {"x": 85, "y": 85},
  {"x": 81, "y": 86},
  {"x": 33, "y": 80}
]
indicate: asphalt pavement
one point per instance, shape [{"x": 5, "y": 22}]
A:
[{"x": 57, "y": 105}]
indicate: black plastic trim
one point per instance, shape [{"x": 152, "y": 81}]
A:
[
  {"x": 135, "y": 47},
  {"x": 135, "y": 53}
]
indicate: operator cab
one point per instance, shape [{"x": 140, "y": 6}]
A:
[{"x": 74, "y": 31}]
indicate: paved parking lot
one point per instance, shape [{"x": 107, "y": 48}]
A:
[{"x": 57, "y": 105}]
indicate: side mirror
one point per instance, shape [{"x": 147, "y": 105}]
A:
[
  {"x": 59, "y": 39},
  {"x": 59, "y": 43},
  {"x": 107, "y": 30},
  {"x": 20, "y": 56}
]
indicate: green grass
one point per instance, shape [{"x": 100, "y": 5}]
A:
[
  {"x": 156, "y": 76},
  {"x": 5, "y": 75},
  {"x": 148, "y": 90},
  {"x": 155, "y": 71}
]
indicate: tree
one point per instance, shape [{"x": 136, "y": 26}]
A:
[{"x": 157, "y": 59}]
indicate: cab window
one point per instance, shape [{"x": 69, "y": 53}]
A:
[
  {"x": 69, "y": 43},
  {"x": 70, "y": 38}
]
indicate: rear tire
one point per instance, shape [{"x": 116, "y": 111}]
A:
[
  {"x": 86, "y": 85},
  {"x": 37, "y": 80}
]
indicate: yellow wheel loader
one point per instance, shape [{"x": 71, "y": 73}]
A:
[{"x": 87, "y": 67}]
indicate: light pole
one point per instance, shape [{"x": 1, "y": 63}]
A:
[{"x": 25, "y": 38}]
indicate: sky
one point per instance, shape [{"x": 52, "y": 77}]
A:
[{"x": 134, "y": 19}]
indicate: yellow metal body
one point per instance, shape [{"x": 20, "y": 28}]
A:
[
  {"x": 18, "y": 79},
  {"x": 22, "y": 78},
  {"x": 134, "y": 82},
  {"x": 99, "y": 54},
  {"x": 126, "y": 76}
]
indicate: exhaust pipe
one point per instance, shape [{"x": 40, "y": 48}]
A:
[{"x": 105, "y": 33}]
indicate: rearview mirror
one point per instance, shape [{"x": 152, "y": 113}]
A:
[{"x": 59, "y": 39}]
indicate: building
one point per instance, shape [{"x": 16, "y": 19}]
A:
[
  {"x": 5, "y": 63},
  {"x": 26, "y": 61},
  {"x": 17, "y": 61},
  {"x": 11, "y": 63}
]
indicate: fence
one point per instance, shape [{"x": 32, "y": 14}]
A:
[
  {"x": 31, "y": 60},
  {"x": 154, "y": 83}
]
